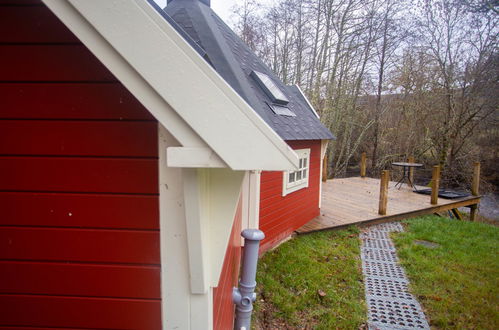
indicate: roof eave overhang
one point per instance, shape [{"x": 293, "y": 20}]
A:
[{"x": 175, "y": 84}]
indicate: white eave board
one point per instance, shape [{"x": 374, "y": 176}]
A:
[{"x": 173, "y": 69}]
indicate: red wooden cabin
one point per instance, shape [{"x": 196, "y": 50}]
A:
[{"x": 121, "y": 197}]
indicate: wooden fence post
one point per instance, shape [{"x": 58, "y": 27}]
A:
[
  {"x": 410, "y": 159},
  {"x": 476, "y": 179},
  {"x": 383, "y": 192},
  {"x": 435, "y": 184},
  {"x": 324, "y": 169},
  {"x": 474, "y": 189},
  {"x": 363, "y": 165}
]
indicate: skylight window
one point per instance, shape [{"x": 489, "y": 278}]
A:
[
  {"x": 281, "y": 110},
  {"x": 270, "y": 88}
]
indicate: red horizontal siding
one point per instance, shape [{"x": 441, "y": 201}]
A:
[
  {"x": 21, "y": 2},
  {"x": 79, "y": 210},
  {"x": 82, "y": 138},
  {"x": 51, "y": 63},
  {"x": 223, "y": 307},
  {"x": 81, "y": 245},
  {"x": 69, "y": 101},
  {"x": 139, "y": 176},
  {"x": 280, "y": 216},
  {"x": 77, "y": 312},
  {"x": 79, "y": 280},
  {"x": 32, "y": 24}
]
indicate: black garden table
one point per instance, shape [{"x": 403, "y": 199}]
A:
[{"x": 405, "y": 175}]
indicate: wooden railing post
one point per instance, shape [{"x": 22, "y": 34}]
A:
[
  {"x": 475, "y": 185},
  {"x": 435, "y": 184},
  {"x": 324, "y": 169},
  {"x": 383, "y": 192},
  {"x": 410, "y": 159},
  {"x": 363, "y": 165},
  {"x": 476, "y": 179}
]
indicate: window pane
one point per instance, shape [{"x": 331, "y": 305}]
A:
[
  {"x": 298, "y": 175},
  {"x": 301, "y": 163},
  {"x": 291, "y": 177},
  {"x": 304, "y": 162},
  {"x": 305, "y": 174}
]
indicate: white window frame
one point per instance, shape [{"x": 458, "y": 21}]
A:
[{"x": 304, "y": 174}]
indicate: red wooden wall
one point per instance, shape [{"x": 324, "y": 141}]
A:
[
  {"x": 280, "y": 216},
  {"x": 223, "y": 307},
  {"x": 79, "y": 222}
]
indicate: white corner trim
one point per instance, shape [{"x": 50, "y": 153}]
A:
[
  {"x": 194, "y": 157},
  {"x": 254, "y": 199},
  {"x": 324, "y": 144},
  {"x": 308, "y": 102},
  {"x": 250, "y": 197},
  {"x": 180, "y": 308},
  {"x": 211, "y": 197},
  {"x": 175, "y": 284},
  {"x": 132, "y": 33}
]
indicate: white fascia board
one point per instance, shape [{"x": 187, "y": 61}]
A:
[
  {"x": 152, "y": 48},
  {"x": 308, "y": 102},
  {"x": 130, "y": 78}
]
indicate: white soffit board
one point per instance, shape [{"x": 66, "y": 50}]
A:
[{"x": 169, "y": 65}]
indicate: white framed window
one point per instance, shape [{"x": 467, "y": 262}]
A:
[{"x": 295, "y": 180}]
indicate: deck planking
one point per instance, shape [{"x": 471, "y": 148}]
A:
[{"x": 355, "y": 200}]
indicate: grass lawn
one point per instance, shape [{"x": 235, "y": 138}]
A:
[
  {"x": 312, "y": 281},
  {"x": 457, "y": 282}
]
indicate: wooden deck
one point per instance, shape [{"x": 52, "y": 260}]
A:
[{"x": 355, "y": 201}]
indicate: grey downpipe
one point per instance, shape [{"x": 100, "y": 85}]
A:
[{"x": 245, "y": 295}]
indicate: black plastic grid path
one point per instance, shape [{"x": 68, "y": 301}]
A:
[{"x": 389, "y": 302}]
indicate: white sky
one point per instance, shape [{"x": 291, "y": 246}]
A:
[{"x": 221, "y": 7}]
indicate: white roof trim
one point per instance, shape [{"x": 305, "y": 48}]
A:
[
  {"x": 149, "y": 57},
  {"x": 308, "y": 102}
]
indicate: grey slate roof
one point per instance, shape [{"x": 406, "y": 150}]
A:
[{"x": 234, "y": 61}]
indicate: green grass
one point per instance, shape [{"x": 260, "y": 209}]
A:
[
  {"x": 312, "y": 281},
  {"x": 458, "y": 282}
]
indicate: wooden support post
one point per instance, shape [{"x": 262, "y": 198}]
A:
[
  {"x": 363, "y": 165},
  {"x": 435, "y": 184},
  {"x": 457, "y": 214},
  {"x": 473, "y": 212},
  {"x": 474, "y": 189},
  {"x": 383, "y": 192},
  {"x": 410, "y": 159},
  {"x": 324, "y": 169},
  {"x": 476, "y": 179}
]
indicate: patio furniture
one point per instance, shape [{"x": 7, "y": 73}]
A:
[{"x": 405, "y": 175}]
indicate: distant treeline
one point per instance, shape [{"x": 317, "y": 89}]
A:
[{"x": 389, "y": 77}]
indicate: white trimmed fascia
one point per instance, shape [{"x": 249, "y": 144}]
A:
[
  {"x": 308, "y": 102},
  {"x": 149, "y": 57}
]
